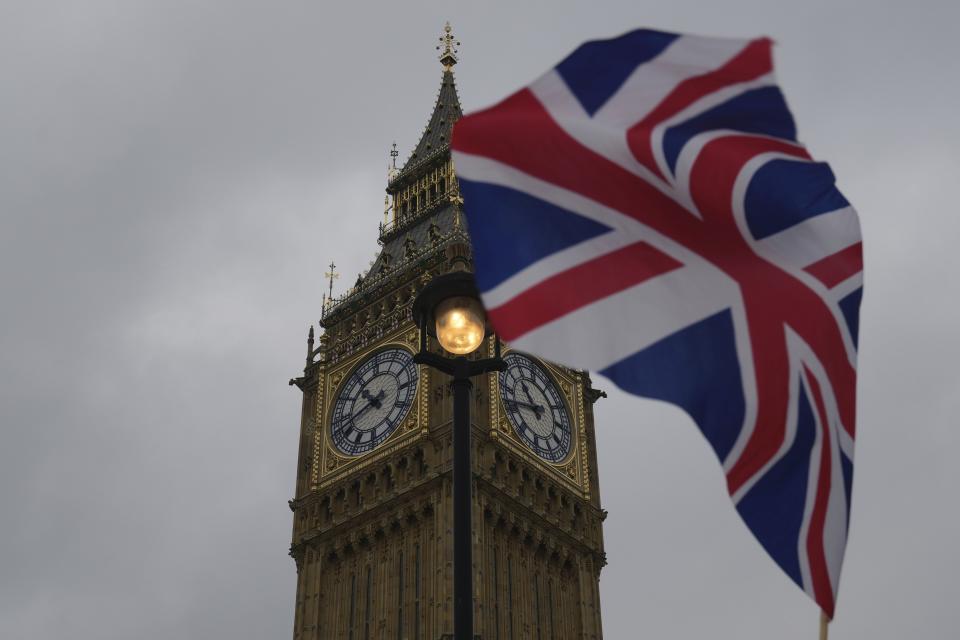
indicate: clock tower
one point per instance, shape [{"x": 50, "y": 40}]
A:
[{"x": 372, "y": 512}]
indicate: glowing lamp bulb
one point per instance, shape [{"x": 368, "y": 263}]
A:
[{"x": 460, "y": 324}]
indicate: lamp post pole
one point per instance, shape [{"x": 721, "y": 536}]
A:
[
  {"x": 459, "y": 285},
  {"x": 462, "y": 512}
]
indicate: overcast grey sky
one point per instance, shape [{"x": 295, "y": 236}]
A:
[{"x": 174, "y": 176}]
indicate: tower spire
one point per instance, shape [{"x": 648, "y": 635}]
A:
[
  {"x": 448, "y": 48},
  {"x": 436, "y": 136},
  {"x": 331, "y": 276}
]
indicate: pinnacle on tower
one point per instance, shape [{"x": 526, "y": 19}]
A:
[{"x": 448, "y": 47}]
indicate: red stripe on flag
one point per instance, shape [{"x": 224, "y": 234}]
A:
[
  {"x": 836, "y": 268},
  {"x": 772, "y": 298},
  {"x": 579, "y": 286},
  {"x": 819, "y": 574},
  {"x": 530, "y": 140},
  {"x": 751, "y": 63}
]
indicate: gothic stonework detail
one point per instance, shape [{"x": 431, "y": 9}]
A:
[{"x": 372, "y": 512}]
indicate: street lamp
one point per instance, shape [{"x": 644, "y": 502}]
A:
[{"x": 449, "y": 309}]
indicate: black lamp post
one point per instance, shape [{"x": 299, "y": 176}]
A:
[{"x": 449, "y": 308}]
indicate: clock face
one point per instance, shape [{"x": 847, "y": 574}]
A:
[
  {"x": 373, "y": 401},
  {"x": 535, "y": 407}
]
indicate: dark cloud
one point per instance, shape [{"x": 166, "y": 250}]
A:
[{"x": 174, "y": 176}]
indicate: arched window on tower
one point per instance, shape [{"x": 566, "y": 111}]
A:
[
  {"x": 510, "y": 594},
  {"x": 367, "y": 606},
  {"x": 325, "y": 511},
  {"x": 496, "y": 596},
  {"x": 536, "y": 603},
  {"x": 550, "y": 604},
  {"x": 355, "y": 489},
  {"x": 416, "y": 594},
  {"x": 400, "y": 635},
  {"x": 353, "y": 605}
]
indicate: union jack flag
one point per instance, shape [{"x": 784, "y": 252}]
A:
[{"x": 644, "y": 210}]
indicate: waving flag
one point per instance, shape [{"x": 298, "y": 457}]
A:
[{"x": 644, "y": 210}]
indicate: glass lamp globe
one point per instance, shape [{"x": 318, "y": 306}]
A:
[{"x": 460, "y": 324}]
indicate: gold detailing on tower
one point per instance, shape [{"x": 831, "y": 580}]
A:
[
  {"x": 421, "y": 196},
  {"x": 584, "y": 454},
  {"x": 328, "y": 297},
  {"x": 392, "y": 171},
  {"x": 378, "y": 523},
  {"x": 318, "y": 420},
  {"x": 448, "y": 47}
]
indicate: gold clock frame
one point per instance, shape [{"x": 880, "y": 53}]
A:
[
  {"x": 332, "y": 463},
  {"x": 574, "y": 468}
]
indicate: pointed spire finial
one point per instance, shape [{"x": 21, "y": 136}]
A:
[
  {"x": 331, "y": 276},
  {"x": 392, "y": 171},
  {"x": 448, "y": 48}
]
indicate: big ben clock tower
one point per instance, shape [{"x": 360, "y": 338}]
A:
[{"x": 372, "y": 513}]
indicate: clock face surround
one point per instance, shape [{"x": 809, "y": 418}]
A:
[
  {"x": 535, "y": 407},
  {"x": 373, "y": 401}
]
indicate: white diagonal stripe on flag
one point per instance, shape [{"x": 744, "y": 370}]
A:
[
  {"x": 678, "y": 298},
  {"x": 813, "y": 239},
  {"x": 645, "y": 88},
  {"x": 481, "y": 169}
]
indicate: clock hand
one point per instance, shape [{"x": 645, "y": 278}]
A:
[
  {"x": 372, "y": 401},
  {"x": 526, "y": 391},
  {"x": 375, "y": 401},
  {"x": 364, "y": 408},
  {"x": 537, "y": 409}
]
